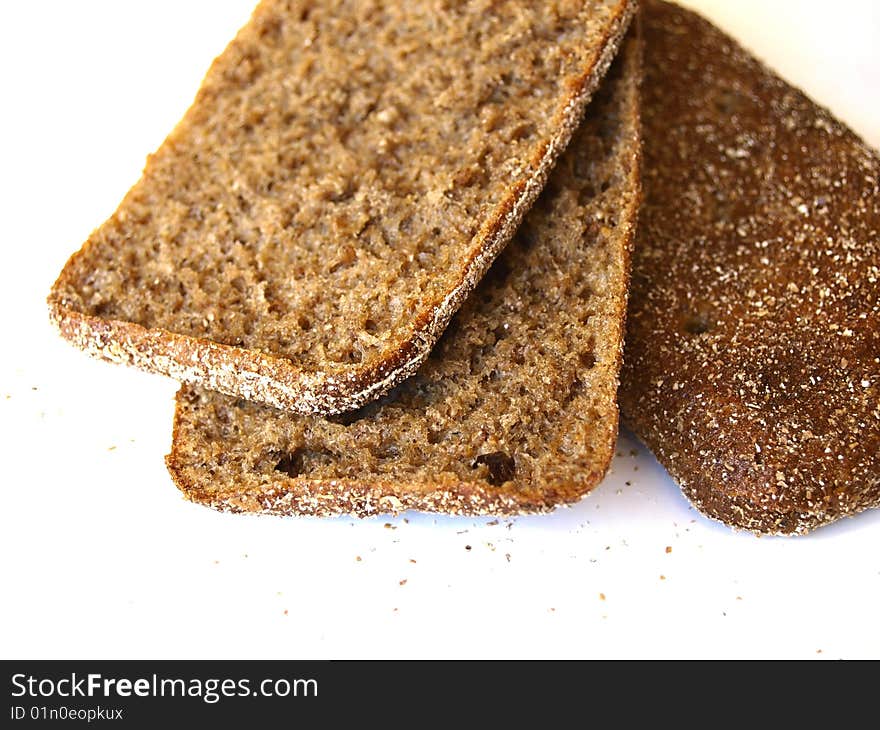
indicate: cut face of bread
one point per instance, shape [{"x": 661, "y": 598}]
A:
[
  {"x": 515, "y": 409},
  {"x": 753, "y": 340},
  {"x": 345, "y": 176}
]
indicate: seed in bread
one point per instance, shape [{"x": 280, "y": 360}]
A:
[
  {"x": 753, "y": 339},
  {"x": 346, "y": 175},
  {"x": 515, "y": 409}
]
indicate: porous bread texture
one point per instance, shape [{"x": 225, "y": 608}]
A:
[
  {"x": 345, "y": 176},
  {"x": 514, "y": 411},
  {"x": 752, "y": 365}
]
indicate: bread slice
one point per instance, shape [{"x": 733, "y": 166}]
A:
[
  {"x": 514, "y": 411},
  {"x": 345, "y": 176},
  {"x": 751, "y": 365}
]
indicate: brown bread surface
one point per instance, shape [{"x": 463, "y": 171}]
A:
[
  {"x": 751, "y": 365},
  {"x": 514, "y": 411},
  {"x": 345, "y": 176}
]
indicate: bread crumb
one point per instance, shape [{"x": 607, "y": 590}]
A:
[
  {"x": 668, "y": 549},
  {"x": 601, "y": 596},
  {"x": 403, "y": 582},
  {"x": 358, "y": 558}
]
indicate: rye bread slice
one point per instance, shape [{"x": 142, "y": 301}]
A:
[
  {"x": 751, "y": 365},
  {"x": 345, "y": 176},
  {"x": 514, "y": 411}
]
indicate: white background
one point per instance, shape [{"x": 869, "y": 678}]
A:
[{"x": 102, "y": 558}]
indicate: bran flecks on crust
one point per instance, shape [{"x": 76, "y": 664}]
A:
[
  {"x": 347, "y": 174},
  {"x": 752, "y": 364},
  {"x": 514, "y": 411}
]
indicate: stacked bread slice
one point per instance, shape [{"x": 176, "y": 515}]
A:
[
  {"x": 515, "y": 409},
  {"x": 333, "y": 202},
  {"x": 344, "y": 178}
]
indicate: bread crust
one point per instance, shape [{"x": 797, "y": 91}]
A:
[
  {"x": 232, "y": 455},
  {"x": 277, "y": 380},
  {"x": 751, "y": 366}
]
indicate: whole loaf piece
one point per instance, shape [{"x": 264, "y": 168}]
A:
[
  {"x": 752, "y": 365},
  {"x": 345, "y": 176},
  {"x": 516, "y": 408}
]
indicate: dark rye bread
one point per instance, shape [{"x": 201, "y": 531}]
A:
[
  {"x": 345, "y": 176},
  {"x": 751, "y": 365},
  {"x": 514, "y": 411}
]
